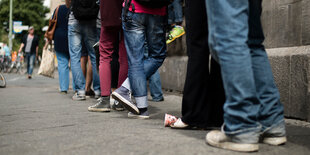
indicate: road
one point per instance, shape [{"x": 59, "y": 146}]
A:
[{"x": 36, "y": 119}]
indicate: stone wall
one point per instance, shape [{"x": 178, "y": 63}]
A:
[{"x": 286, "y": 23}]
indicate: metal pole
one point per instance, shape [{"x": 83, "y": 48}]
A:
[{"x": 11, "y": 25}]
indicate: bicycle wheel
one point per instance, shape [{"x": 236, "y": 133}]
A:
[{"x": 2, "y": 81}]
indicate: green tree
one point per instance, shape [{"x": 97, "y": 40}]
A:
[{"x": 30, "y": 12}]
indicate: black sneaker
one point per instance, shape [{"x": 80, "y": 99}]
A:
[
  {"x": 123, "y": 96},
  {"x": 117, "y": 106},
  {"x": 78, "y": 97},
  {"x": 103, "y": 105}
]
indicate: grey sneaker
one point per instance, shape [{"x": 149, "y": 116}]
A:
[
  {"x": 275, "y": 135},
  {"x": 123, "y": 96},
  {"x": 78, "y": 97},
  {"x": 218, "y": 139},
  {"x": 144, "y": 115},
  {"x": 117, "y": 106},
  {"x": 103, "y": 105}
]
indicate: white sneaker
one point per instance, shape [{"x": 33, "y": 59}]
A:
[{"x": 218, "y": 139}]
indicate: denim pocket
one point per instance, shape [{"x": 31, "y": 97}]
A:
[{"x": 134, "y": 21}]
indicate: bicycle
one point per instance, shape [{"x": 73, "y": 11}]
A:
[
  {"x": 2, "y": 81},
  {"x": 17, "y": 62}
]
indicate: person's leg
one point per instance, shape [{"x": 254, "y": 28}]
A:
[
  {"x": 28, "y": 62},
  {"x": 155, "y": 87},
  {"x": 271, "y": 110},
  {"x": 199, "y": 105},
  {"x": 123, "y": 61},
  {"x": 171, "y": 14},
  {"x": 89, "y": 38},
  {"x": 155, "y": 39},
  {"x": 87, "y": 71},
  {"x": 178, "y": 12},
  {"x": 89, "y": 75},
  {"x": 84, "y": 64},
  {"x": 228, "y": 36},
  {"x": 31, "y": 63},
  {"x": 75, "y": 48},
  {"x": 63, "y": 70},
  {"x": 134, "y": 34},
  {"x": 109, "y": 36}
]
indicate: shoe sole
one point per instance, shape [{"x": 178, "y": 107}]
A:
[
  {"x": 176, "y": 127},
  {"x": 79, "y": 99},
  {"x": 232, "y": 146},
  {"x": 119, "y": 109},
  {"x": 176, "y": 37},
  {"x": 129, "y": 106},
  {"x": 275, "y": 141},
  {"x": 99, "y": 110},
  {"x": 138, "y": 116}
]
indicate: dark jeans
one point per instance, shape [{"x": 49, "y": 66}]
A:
[{"x": 203, "y": 96}]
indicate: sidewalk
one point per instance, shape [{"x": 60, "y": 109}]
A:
[{"x": 36, "y": 119}]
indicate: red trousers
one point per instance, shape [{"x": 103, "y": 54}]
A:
[{"x": 109, "y": 37}]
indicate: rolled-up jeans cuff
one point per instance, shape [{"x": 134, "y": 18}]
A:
[
  {"x": 276, "y": 130},
  {"x": 248, "y": 136},
  {"x": 126, "y": 84},
  {"x": 141, "y": 102}
]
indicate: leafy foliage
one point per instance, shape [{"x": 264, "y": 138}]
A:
[{"x": 30, "y": 12}]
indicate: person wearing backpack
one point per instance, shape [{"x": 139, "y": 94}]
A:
[
  {"x": 143, "y": 21},
  {"x": 82, "y": 28}
]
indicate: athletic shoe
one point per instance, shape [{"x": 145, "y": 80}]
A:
[
  {"x": 275, "y": 135},
  {"x": 175, "y": 33},
  {"x": 123, "y": 96},
  {"x": 103, "y": 105},
  {"x": 144, "y": 115},
  {"x": 78, "y": 97},
  {"x": 274, "y": 140},
  {"x": 158, "y": 100},
  {"x": 117, "y": 106},
  {"x": 218, "y": 139}
]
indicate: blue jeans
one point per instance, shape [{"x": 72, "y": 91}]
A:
[
  {"x": 138, "y": 29},
  {"x": 30, "y": 58},
  {"x": 155, "y": 87},
  {"x": 252, "y": 99},
  {"x": 78, "y": 33},
  {"x": 154, "y": 81},
  {"x": 175, "y": 12},
  {"x": 63, "y": 70}
]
